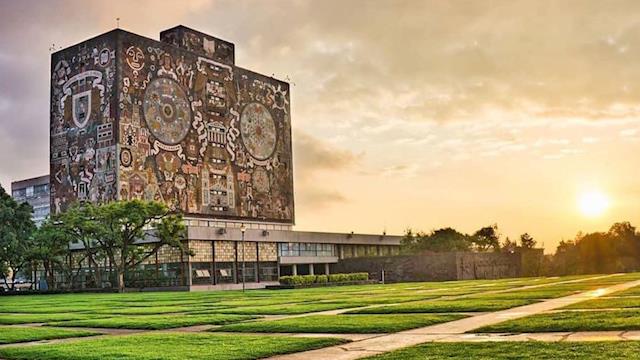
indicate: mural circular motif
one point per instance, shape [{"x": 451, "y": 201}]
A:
[
  {"x": 258, "y": 131},
  {"x": 261, "y": 180},
  {"x": 166, "y": 110}
]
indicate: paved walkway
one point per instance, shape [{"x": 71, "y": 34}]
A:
[{"x": 390, "y": 342}]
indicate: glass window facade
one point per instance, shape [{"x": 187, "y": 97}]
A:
[{"x": 306, "y": 249}]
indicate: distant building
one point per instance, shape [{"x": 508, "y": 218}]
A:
[{"x": 34, "y": 191}]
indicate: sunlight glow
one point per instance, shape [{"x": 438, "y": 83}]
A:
[{"x": 593, "y": 203}]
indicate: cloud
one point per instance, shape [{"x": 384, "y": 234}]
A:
[
  {"x": 313, "y": 154},
  {"x": 316, "y": 197}
]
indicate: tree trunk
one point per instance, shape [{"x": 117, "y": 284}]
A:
[
  {"x": 120, "y": 280},
  {"x": 13, "y": 279},
  {"x": 49, "y": 275}
]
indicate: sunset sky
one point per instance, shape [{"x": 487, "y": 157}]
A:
[{"x": 420, "y": 114}]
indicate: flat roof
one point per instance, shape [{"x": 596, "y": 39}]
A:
[{"x": 21, "y": 184}]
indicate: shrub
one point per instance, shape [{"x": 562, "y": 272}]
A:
[
  {"x": 323, "y": 279},
  {"x": 308, "y": 279}
]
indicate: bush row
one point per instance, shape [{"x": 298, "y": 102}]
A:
[{"x": 322, "y": 279}]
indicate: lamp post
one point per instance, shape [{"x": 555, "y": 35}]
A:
[{"x": 242, "y": 230}]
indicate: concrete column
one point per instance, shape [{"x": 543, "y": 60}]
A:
[
  {"x": 294, "y": 269},
  {"x": 341, "y": 251},
  {"x": 311, "y": 269},
  {"x": 326, "y": 269},
  {"x": 235, "y": 262},
  {"x": 189, "y": 275},
  {"x": 257, "y": 271}
]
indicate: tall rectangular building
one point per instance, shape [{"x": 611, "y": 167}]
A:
[
  {"x": 35, "y": 192},
  {"x": 174, "y": 121}
]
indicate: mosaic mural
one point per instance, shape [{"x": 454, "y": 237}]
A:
[
  {"x": 83, "y": 148},
  {"x": 201, "y": 135}
]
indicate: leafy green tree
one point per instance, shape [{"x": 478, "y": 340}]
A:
[
  {"x": 130, "y": 232},
  {"x": 50, "y": 248},
  {"x": 487, "y": 238},
  {"x": 440, "y": 240},
  {"x": 16, "y": 228},
  {"x": 527, "y": 242},
  {"x": 80, "y": 225}
]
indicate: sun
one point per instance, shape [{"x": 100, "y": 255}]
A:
[{"x": 593, "y": 203}]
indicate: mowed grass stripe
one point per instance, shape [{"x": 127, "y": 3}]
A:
[
  {"x": 622, "y": 320},
  {"x": 292, "y": 309},
  {"x": 342, "y": 324},
  {"x": 154, "y": 322},
  {"x": 14, "y": 319},
  {"x": 517, "y": 350},
  {"x": 607, "y": 303},
  {"x": 445, "y": 306},
  {"x": 170, "y": 346},
  {"x": 18, "y": 334}
]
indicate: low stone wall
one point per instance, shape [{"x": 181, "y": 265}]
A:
[{"x": 445, "y": 266}]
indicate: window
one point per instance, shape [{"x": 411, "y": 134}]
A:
[
  {"x": 41, "y": 189},
  {"x": 29, "y": 191},
  {"x": 19, "y": 193},
  {"x": 305, "y": 249}
]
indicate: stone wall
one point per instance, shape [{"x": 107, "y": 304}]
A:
[
  {"x": 202, "y": 251},
  {"x": 445, "y": 266},
  {"x": 268, "y": 251},
  {"x": 166, "y": 255},
  {"x": 249, "y": 251},
  {"x": 225, "y": 251}
]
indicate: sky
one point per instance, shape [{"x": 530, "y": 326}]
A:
[{"x": 405, "y": 114}]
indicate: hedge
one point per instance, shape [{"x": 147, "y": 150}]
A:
[{"x": 323, "y": 279}]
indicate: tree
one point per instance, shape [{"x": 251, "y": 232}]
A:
[
  {"x": 440, "y": 240},
  {"x": 509, "y": 246},
  {"x": 487, "y": 238},
  {"x": 527, "y": 242},
  {"x": 50, "y": 247},
  {"x": 16, "y": 228},
  {"x": 130, "y": 232},
  {"x": 79, "y": 225}
]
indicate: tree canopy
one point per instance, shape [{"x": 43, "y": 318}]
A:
[
  {"x": 16, "y": 229},
  {"x": 616, "y": 250},
  {"x": 449, "y": 239}
]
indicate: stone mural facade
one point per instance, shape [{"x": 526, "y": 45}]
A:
[
  {"x": 174, "y": 121},
  {"x": 83, "y": 119}
]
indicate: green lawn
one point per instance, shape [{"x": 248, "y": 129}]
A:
[
  {"x": 536, "y": 294},
  {"x": 517, "y": 350},
  {"x": 608, "y": 303},
  {"x": 149, "y": 310},
  {"x": 160, "y": 310},
  {"x": 634, "y": 291},
  {"x": 154, "y": 322},
  {"x": 12, "y": 319},
  {"x": 17, "y": 334},
  {"x": 445, "y": 306},
  {"x": 283, "y": 309},
  {"x": 193, "y": 346},
  {"x": 570, "y": 321},
  {"x": 344, "y": 324}
]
